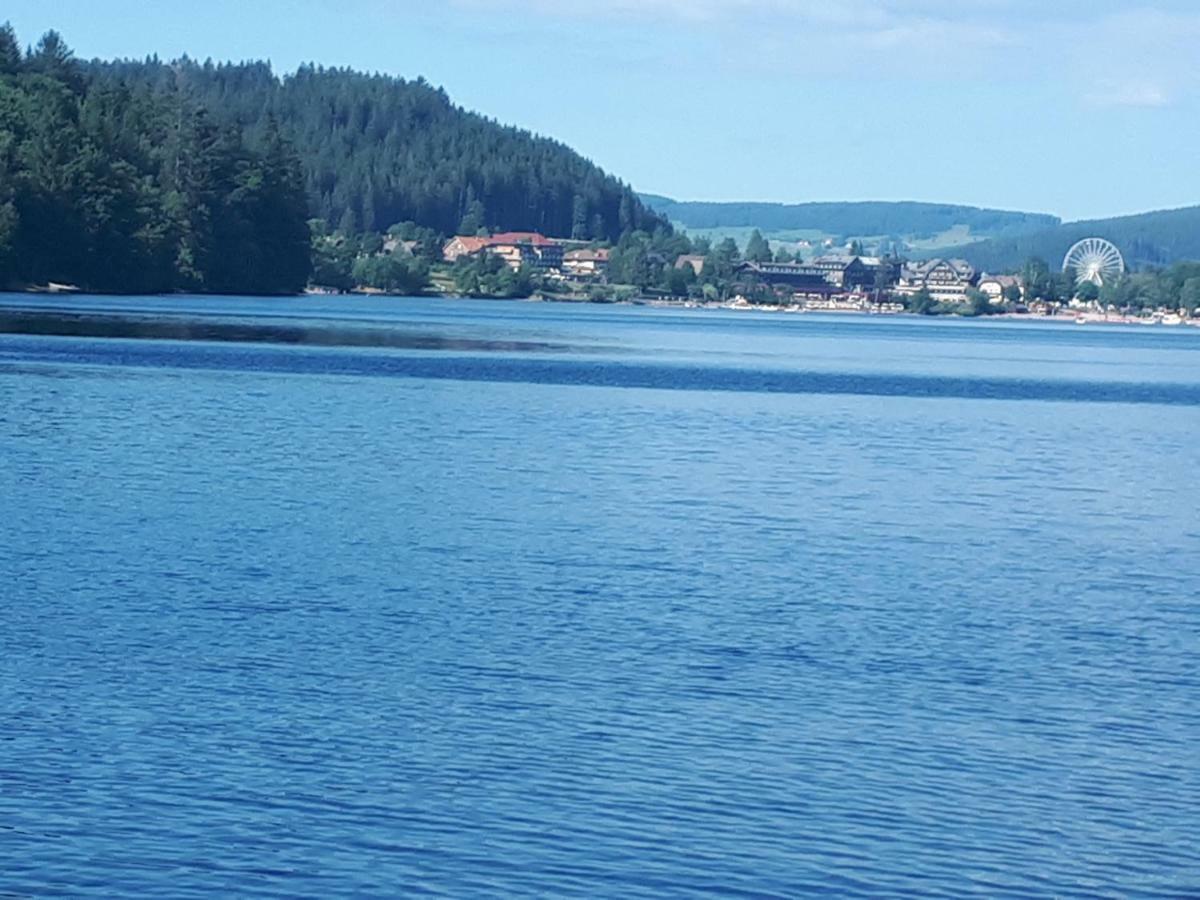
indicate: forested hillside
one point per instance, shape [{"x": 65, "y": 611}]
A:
[
  {"x": 378, "y": 150},
  {"x": 1147, "y": 240},
  {"x": 113, "y": 188},
  {"x": 903, "y": 219}
]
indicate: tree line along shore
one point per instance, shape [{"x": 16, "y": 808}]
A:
[
  {"x": 153, "y": 177},
  {"x": 669, "y": 267}
]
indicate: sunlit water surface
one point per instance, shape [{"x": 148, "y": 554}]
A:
[{"x": 331, "y": 596}]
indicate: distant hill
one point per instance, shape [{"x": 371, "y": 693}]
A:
[
  {"x": 377, "y": 150},
  {"x": 992, "y": 240},
  {"x": 901, "y": 220},
  {"x": 1151, "y": 239}
]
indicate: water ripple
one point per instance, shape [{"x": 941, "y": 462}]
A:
[{"x": 447, "y": 624}]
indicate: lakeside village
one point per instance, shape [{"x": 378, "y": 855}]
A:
[{"x": 674, "y": 270}]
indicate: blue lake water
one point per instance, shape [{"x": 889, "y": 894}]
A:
[{"x": 345, "y": 596}]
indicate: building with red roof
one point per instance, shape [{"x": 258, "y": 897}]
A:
[{"x": 516, "y": 248}]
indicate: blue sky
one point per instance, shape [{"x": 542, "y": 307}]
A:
[{"x": 1080, "y": 108}]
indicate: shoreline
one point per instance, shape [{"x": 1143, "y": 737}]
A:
[{"x": 1072, "y": 317}]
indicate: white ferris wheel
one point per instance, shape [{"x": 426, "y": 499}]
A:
[{"x": 1095, "y": 260}]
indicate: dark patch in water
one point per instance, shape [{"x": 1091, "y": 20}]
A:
[
  {"x": 168, "y": 328},
  {"x": 589, "y": 372}
]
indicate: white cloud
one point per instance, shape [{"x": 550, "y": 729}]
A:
[
  {"x": 864, "y": 38},
  {"x": 1129, "y": 94},
  {"x": 1104, "y": 53},
  {"x": 1134, "y": 57}
]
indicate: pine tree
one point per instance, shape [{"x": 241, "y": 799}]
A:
[
  {"x": 280, "y": 217},
  {"x": 757, "y": 248},
  {"x": 53, "y": 58},
  {"x": 579, "y": 218},
  {"x": 201, "y": 177},
  {"x": 10, "y": 51},
  {"x": 474, "y": 220},
  {"x": 8, "y": 230}
]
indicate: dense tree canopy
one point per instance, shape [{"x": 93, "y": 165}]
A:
[
  {"x": 1176, "y": 287},
  {"x": 862, "y": 218},
  {"x": 114, "y": 188},
  {"x": 1150, "y": 239},
  {"x": 378, "y": 150},
  {"x": 148, "y": 177}
]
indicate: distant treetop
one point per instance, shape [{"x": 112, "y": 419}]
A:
[
  {"x": 377, "y": 150},
  {"x": 850, "y": 218}
]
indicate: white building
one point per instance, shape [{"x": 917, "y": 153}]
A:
[{"x": 947, "y": 280}]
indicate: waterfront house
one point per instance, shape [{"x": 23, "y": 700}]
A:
[
  {"x": 887, "y": 266},
  {"x": 396, "y": 245},
  {"x": 521, "y": 237},
  {"x": 800, "y": 278},
  {"x": 586, "y": 263},
  {"x": 996, "y": 286},
  {"x": 527, "y": 248},
  {"x": 463, "y": 245},
  {"x": 514, "y": 248},
  {"x": 846, "y": 272},
  {"x": 946, "y": 280},
  {"x": 851, "y": 273},
  {"x": 690, "y": 259}
]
